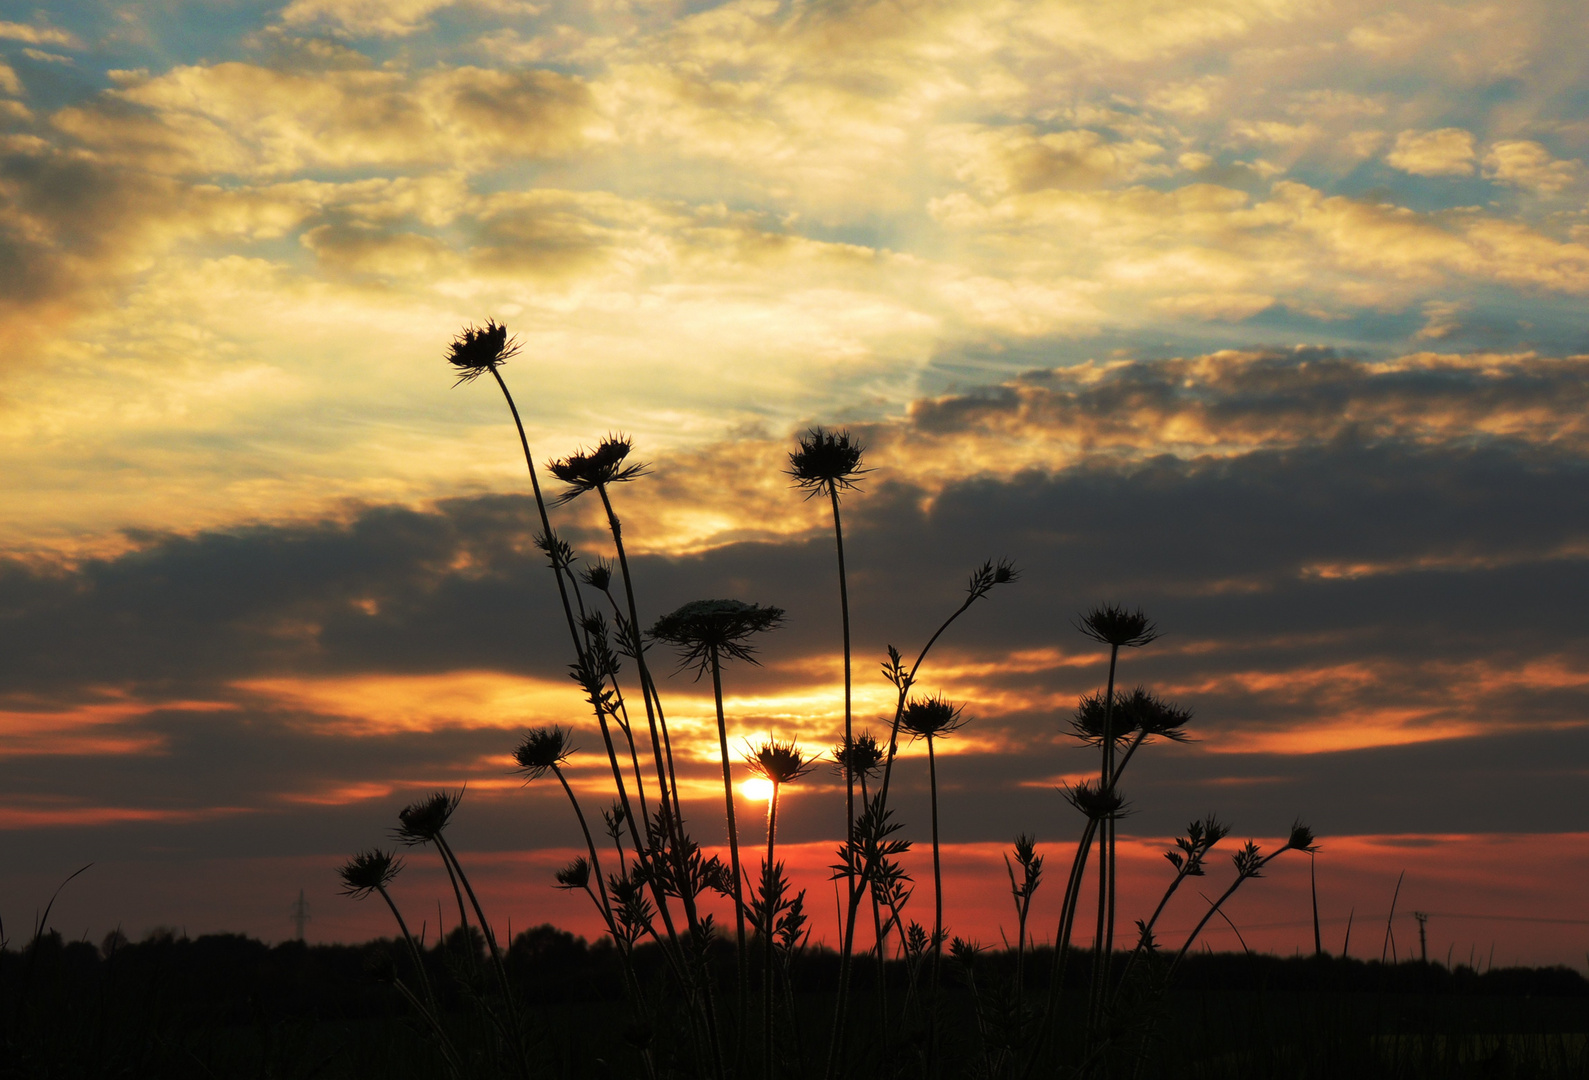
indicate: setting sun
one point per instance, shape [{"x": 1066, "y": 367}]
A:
[{"x": 756, "y": 789}]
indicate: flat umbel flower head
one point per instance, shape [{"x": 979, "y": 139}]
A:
[
  {"x": 932, "y": 717},
  {"x": 859, "y": 757},
  {"x": 541, "y": 750},
  {"x": 588, "y": 470},
  {"x": 423, "y": 821},
  {"x": 781, "y": 763},
  {"x": 702, "y": 629},
  {"x": 826, "y": 462},
  {"x": 1113, "y": 625},
  {"x": 479, "y": 349},
  {"x": 368, "y": 871}
]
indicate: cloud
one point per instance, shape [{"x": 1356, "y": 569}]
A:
[
  {"x": 372, "y": 18},
  {"x": 243, "y": 119},
  {"x": 1529, "y": 165},
  {"x": 39, "y": 35},
  {"x": 1445, "y": 152}
]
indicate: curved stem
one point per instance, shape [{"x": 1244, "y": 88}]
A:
[
  {"x": 546, "y": 521},
  {"x": 413, "y": 946},
  {"x": 590, "y": 844}
]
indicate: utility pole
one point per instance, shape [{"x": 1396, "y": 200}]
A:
[
  {"x": 1423, "y": 934},
  {"x": 300, "y": 914}
]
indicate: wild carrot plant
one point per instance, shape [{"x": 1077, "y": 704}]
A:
[{"x": 657, "y": 871}]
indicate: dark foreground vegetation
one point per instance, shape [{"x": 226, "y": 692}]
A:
[{"x": 230, "y": 1006}]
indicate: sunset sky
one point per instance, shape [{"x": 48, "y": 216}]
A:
[{"x": 1265, "y": 315}]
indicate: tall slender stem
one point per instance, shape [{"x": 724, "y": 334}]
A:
[
  {"x": 733, "y": 832},
  {"x": 767, "y": 915},
  {"x": 836, "y": 1037},
  {"x": 937, "y": 902},
  {"x": 665, "y": 778},
  {"x": 844, "y": 613},
  {"x": 1103, "y": 938},
  {"x": 1062, "y": 936}
]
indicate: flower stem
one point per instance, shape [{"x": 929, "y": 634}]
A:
[{"x": 733, "y": 834}]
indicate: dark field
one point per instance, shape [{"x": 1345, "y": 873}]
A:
[{"x": 229, "y": 1006}]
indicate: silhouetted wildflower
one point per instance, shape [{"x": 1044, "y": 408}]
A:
[
  {"x": 422, "y": 822},
  {"x": 1301, "y": 838},
  {"x": 541, "y": 750},
  {"x": 1138, "y": 711},
  {"x": 860, "y": 757},
  {"x": 479, "y": 349},
  {"x": 1113, "y": 625},
  {"x": 826, "y": 462},
  {"x": 704, "y": 628},
  {"x": 931, "y": 717},
  {"x": 781, "y": 763},
  {"x": 589, "y": 470},
  {"x": 1093, "y": 800},
  {"x": 598, "y": 575},
  {"x": 368, "y": 871}
]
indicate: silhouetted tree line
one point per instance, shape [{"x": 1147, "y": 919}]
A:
[{"x": 229, "y": 1005}]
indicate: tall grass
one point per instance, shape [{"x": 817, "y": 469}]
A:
[{"x": 651, "y": 891}]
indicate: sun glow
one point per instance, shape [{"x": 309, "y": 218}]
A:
[{"x": 756, "y": 789}]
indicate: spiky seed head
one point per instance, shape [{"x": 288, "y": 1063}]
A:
[
  {"x": 826, "y": 462},
  {"x": 598, "y": 575},
  {"x": 1092, "y": 799},
  {"x": 1141, "y": 711},
  {"x": 422, "y": 822},
  {"x": 479, "y": 349},
  {"x": 1113, "y": 625},
  {"x": 703, "y": 629},
  {"x": 1088, "y": 723},
  {"x": 932, "y": 717},
  {"x": 588, "y": 470},
  {"x": 368, "y": 871},
  {"x": 541, "y": 750},
  {"x": 778, "y": 762},
  {"x": 1301, "y": 838},
  {"x": 576, "y": 875},
  {"x": 860, "y": 756}
]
